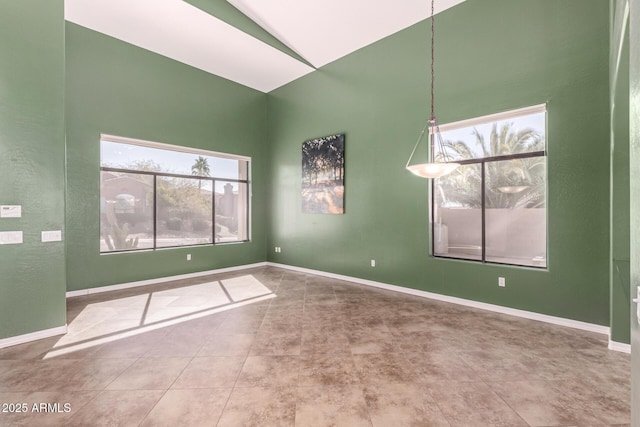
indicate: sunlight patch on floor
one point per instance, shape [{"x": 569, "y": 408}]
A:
[{"x": 120, "y": 318}]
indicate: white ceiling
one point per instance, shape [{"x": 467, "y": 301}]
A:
[{"x": 320, "y": 31}]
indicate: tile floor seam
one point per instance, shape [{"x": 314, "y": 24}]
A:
[
  {"x": 123, "y": 371},
  {"x": 235, "y": 383},
  {"x": 167, "y": 389},
  {"x": 444, "y": 415},
  {"x": 296, "y": 394},
  {"x": 86, "y": 403},
  {"x": 224, "y": 407},
  {"x": 425, "y": 387},
  {"x": 505, "y": 402},
  {"x": 153, "y": 406}
]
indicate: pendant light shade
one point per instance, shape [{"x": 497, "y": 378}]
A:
[{"x": 431, "y": 169}]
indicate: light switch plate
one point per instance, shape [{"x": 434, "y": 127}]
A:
[
  {"x": 10, "y": 237},
  {"x": 51, "y": 236}
]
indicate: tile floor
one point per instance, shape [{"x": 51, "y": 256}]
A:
[{"x": 270, "y": 347}]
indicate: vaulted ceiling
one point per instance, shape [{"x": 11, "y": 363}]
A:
[{"x": 262, "y": 44}]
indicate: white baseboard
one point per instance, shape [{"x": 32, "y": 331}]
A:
[
  {"x": 128, "y": 285},
  {"x": 33, "y": 336},
  {"x": 619, "y": 346},
  {"x": 576, "y": 324}
]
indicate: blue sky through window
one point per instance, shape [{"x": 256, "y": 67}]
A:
[
  {"x": 122, "y": 155},
  {"x": 534, "y": 121}
]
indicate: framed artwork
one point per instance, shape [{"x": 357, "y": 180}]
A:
[{"x": 323, "y": 175}]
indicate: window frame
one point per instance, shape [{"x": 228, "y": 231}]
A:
[
  {"x": 156, "y": 175},
  {"x": 483, "y": 161}
]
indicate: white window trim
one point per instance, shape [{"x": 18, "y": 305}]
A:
[
  {"x": 505, "y": 115},
  {"x": 170, "y": 147}
]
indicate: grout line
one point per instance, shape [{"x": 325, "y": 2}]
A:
[{"x": 503, "y": 400}]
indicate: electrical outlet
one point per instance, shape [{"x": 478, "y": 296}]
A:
[
  {"x": 188, "y": 257},
  {"x": 501, "y": 282},
  {"x": 278, "y": 249},
  {"x": 373, "y": 263},
  {"x": 51, "y": 236}
]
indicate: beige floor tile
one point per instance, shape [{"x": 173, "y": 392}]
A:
[
  {"x": 347, "y": 354},
  {"x": 438, "y": 366},
  {"x": 397, "y": 404},
  {"x": 474, "y": 404},
  {"x": 192, "y": 408},
  {"x": 7, "y": 365},
  {"x": 116, "y": 408},
  {"x": 204, "y": 327},
  {"x": 540, "y": 404},
  {"x": 351, "y": 299},
  {"x": 276, "y": 344},
  {"x": 91, "y": 374},
  {"x": 287, "y": 302},
  {"x": 326, "y": 323},
  {"x": 259, "y": 406},
  {"x": 492, "y": 367},
  {"x": 269, "y": 371},
  {"x": 365, "y": 323},
  {"x": 605, "y": 402},
  {"x": 177, "y": 344},
  {"x": 210, "y": 372},
  {"x": 327, "y": 369},
  {"x": 320, "y": 299},
  {"x": 319, "y": 341},
  {"x": 288, "y": 285},
  {"x": 240, "y": 325},
  {"x": 339, "y": 406},
  {"x": 39, "y": 375},
  {"x": 385, "y": 368},
  {"x": 408, "y": 324},
  {"x": 227, "y": 345},
  {"x": 151, "y": 373},
  {"x": 281, "y": 323},
  {"x": 129, "y": 347},
  {"x": 364, "y": 341}
]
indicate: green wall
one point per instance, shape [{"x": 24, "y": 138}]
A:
[
  {"x": 529, "y": 53},
  {"x": 634, "y": 174},
  {"x": 32, "y": 274},
  {"x": 619, "y": 93},
  {"x": 521, "y": 53},
  {"x": 118, "y": 89}
]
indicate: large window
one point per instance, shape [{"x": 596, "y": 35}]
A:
[
  {"x": 158, "y": 196},
  {"x": 493, "y": 207}
]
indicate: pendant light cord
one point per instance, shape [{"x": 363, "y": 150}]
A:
[
  {"x": 431, "y": 123},
  {"x": 433, "y": 55},
  {"x": 435, "y": 128}
]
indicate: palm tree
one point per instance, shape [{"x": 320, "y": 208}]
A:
[
  {"x": 200, "y": 168},
  {"x": 515, "y": 183}
]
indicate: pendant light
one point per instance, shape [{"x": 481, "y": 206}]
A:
[{"x": 432, "y": 169}]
